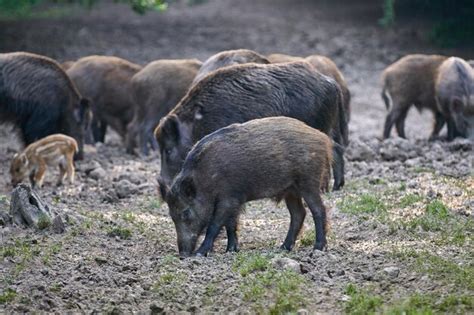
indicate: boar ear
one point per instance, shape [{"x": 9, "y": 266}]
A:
[
  {"x": 169, "y": 128},
  {"x": 457, "y": 105},
  {"x": 23, "y": 159},
  {"x": 198, "y": 112},
  {"x": 163, "y": 189}
]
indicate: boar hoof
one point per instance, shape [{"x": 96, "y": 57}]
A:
[
  {"x": 286, "y": 247},
  {"x": 320, "y": 246},
  {"x": 199, "y": 254}
]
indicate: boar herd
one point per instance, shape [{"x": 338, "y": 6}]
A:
[{"x": 239, "y": 127}]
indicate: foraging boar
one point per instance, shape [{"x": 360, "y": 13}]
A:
[
  {"x": 327, "y": 67},
  {"x": 229, "y": 58},
  {"x": 106, "y": 82},
  {"x": 455, "y": 97},
  {"x": 54, "y": 150},
  {"x": 411, "y": 81},
  {"x": 276, "y": 157},
  {"x": 240, "y": 93},
  {"x": 39, "y": 98},
  {"x": 157, "y": 88}
]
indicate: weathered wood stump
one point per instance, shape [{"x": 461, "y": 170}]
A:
[{"x": 27, "y": 209}]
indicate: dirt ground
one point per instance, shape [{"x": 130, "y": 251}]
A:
[{"x": 402, "y": 228}]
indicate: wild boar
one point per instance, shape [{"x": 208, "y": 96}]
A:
[
  {"x": 67, "y": 64},
  {"x": 38, "y": 97},
  {"x": 455, "y": 97},
  {"x": 240, "y": 93},
  {"x": 327, "y": 67},
  {"x": 106, "y": 82},
  {"x": 54, "y": 150},
  {"x": 157, "y": 88},
  {"x": 276, "y": 157},
  {"x": 411, "y": 81},
  {"x": 229, "y": 58}
]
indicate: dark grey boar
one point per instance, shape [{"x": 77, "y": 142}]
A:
[
  {"x": 106, "y": 82},
  {"x": 240, "y": 93},
  {"x": 229, "y": 58},
  {"x": 276, "y": 157},
  {"x": 38, "y": 97},
  {"x": 157, "y": 88},
  {"x": 411, "y": 81},
  {"x": 455, "y": 96},
  {"x": 327, "y": 67}
]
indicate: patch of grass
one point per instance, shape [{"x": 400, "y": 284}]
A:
[
  {"x": 409, "y": 200},
  {"x": 431, "y": 304},
  {"x": 44, "y": 222},
  {"x": 362, "y": 204},
  {"x": 440, "y": 268},
  {"x": 170, "y": 284},
  {"x": 49, "y": 252},
  {"x": 55, "y": 287},
  {"x": 402, "y": 187},
  {"x": 129, "y": 217},
  {"x": 361, "y": 302},
  {"x": 121, "y": 232},
  {"x": 248, "y": 263},
  {"x": 420, "y": 169},
  {"x": 434, "y": 218},
  {"x": 308, "y": 238},
  {"x": 7, "y": 296}
]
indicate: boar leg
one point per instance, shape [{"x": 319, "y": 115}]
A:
[
  {"x": 212, "y": 231},
  {"x": 400, "y": 123},
  {"x": 99, "y": 128},
  {"x": 143, "y": 142},
  {"x": 392, "y": 117},
  {"x": 338, "y": 166},
  {"x": 439, "y": 123},
  {"x": 70, "y": 168},
  {"x": 232, "y": 238},
  {"x": 39, "y": 175},
  {"x": 297, "y": 213},
  {"x": 62, "y": 173},
  {"x": 451, "y": 129},
  {"x": 315, "y": 204}
]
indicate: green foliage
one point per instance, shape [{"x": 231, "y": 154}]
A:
[
  {"x": 409, "y": 200},
  {"x": 121, "y": 232},
  {"x": 362, "y": 204},
  {"x": 308, "y": 238},
  {"x": 361, "y": 302},
  {"x": 249, "y": 263},
  {"x": 44, "y": 222},
  {"x": 7, "y": 296}
]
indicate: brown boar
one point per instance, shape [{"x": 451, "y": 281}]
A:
[
  {"x": 157, "y": 88},
  {"x": 276, "y": 157},
  {"x": 327, "y": 67},
  {"x": 229, "y": 58},
  {"x": 106, "y": 82},
  {"x": 455, "y": 97},
  {"x": 54, "y": 150},
  {"x": 240, "y": 93},
  {"x": 38, "y": 97},
  {"x": 411, "y": 81}
]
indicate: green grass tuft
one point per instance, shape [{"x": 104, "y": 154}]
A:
[
  {"x": 362, "y": 204},
  {"x": 361, "y": 302},
  {"x": 7, "y": 296},
  {"x": 121, "y": 232}
]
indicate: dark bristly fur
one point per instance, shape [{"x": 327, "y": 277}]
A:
[
  {"x": 240, "y": 93},
  {"x": 106, "y": 82},
  {"x": 455, "y": 96},
  {"x": 157, "y": 88},
  {"x": 276, "y": 157},
  {"x": 229, "y": 58},
  {"x": 38, "y": 97}
]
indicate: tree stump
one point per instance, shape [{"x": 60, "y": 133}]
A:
[{"x": 27, "y": 209}]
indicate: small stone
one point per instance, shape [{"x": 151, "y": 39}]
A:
[
  {"x": 156, "y": 309},
  {"x": 125, "y": 188},
  {"x": 359, "y": 151},
  {"x": 302, "y": 311},
  {"x": 44, "y": 272},
  {"x": 286, "y": 263},
  {"x": 58, "y": 225},
  {"x": 100, "y": 260},
  {"x": 98, "y": 173},
  {"x": 392, "y": 272},
  {"x": 367, "y": 276}
]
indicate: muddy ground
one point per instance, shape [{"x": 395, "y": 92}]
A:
[{"x": 402, "y": 228}]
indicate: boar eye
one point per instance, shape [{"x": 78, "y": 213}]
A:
[{"x": 186, "y": 214}]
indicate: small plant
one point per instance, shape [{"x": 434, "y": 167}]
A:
[
  {"x": 308, "y": 238},
  {"x": 409, "y": 200},
  {"x": 247, "y": 263},
  {"x": 121, "y": 232},
  {"x": 362, "y": 204},
  {"x": 44, "y": 222},
  {"x": 129, "y": 217},
  {"x": 7, "y": 296},
  {"x": 361, "y": 302}
]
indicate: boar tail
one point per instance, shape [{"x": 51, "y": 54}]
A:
[
  {"x": 342, "y": 121},
  {"x": 387, "y": 98}
]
